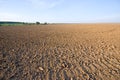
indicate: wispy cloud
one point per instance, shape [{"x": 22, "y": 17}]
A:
[
  {"x": 5, "y": 16},
  {"x": 109, "y": 18},
  {"x": 43, "y": 4}
]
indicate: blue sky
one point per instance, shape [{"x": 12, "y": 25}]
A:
[{"x": 60, "y": 11}]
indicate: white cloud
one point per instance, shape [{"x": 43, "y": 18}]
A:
[
  {"x": 109, "y": 17},
  {"x": 5, "y": 16},
  {"x": 43, "y": 4}
]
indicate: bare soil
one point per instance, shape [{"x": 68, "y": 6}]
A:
[{"x": 60, "y": 52}]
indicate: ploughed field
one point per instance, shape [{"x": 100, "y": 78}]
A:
[{"x": 60, "y": 52}]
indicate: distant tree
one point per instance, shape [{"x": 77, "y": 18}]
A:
[
  {"x": 37, "y": 23},
  {"x": 23, "y": 23},
  {"x": 45, "y": 23}
]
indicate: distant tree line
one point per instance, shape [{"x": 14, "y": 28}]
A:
[
  {"x": 45, "y": 23},
  {"x": 6, "y": 23},
  {"x": 2, "y": 23}
]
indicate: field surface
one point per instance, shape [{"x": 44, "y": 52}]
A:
[{"x": 60, "y": 52}]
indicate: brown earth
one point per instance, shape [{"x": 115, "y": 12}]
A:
[{"x": 60, "y": 52}]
